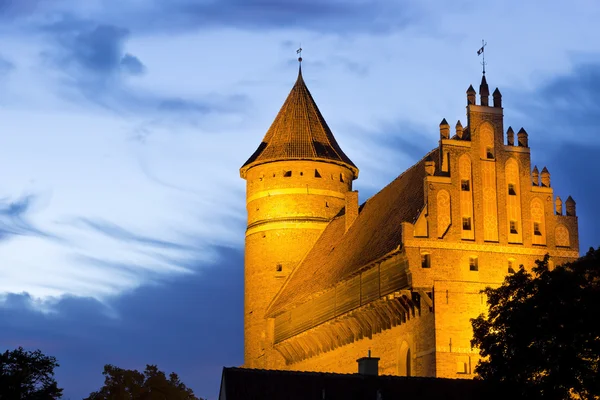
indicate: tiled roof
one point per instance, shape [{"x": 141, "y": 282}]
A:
[
  {"x": 299, "y": 132},
  {"x": 256, "y": 384},
  {"x": 376, "y": 232}
]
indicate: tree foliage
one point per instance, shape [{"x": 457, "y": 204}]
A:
[
  {"x": 542, "y": 332},
  {"x": 28, "y": 375},
  {"x": 152, "y": 384}
]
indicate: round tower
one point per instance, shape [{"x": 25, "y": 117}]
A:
[{"x": 296, "y": 183}]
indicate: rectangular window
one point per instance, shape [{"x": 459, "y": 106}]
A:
[
  {"x": 425, "y": 260},
  {"x": 511, "y": 189},
  {"x": 317, "y": 174},
  {"x": 490, "y": 153},
  {"x": 536, "y": 229},
  {"x": 287, "y": 174},
  {"x": 473, "y": 264},
  {"x": 465, "y": 185},
  {"x": 466, "y": 222},
  {"x": 513, "y": 227}
]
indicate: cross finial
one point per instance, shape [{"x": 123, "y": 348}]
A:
[
  {"x": 481, "y": 52},
  {"x": 299, "y": 52}
]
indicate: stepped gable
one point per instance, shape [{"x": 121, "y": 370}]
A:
[
  {"x": 299, "y": 132},
  {"x": 376, "y": 232}
]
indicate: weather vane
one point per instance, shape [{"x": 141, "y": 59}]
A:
[
  {"x": 299, "y": 52},
  {"x": 480, "y": 52}
]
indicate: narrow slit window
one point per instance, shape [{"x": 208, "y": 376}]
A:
[
  {"x": 511, "y": 270},
  {"x": 425, "y": 260},
  {"x": 511, "y": 189},
  {"x": 317, "y": 174},
  {"x": 287, "y": 174},
  {"x": 513, "y": 227},
  {"x": 536, "y": 229},
  {"x": 473, "y": 264},
  {"x": 466, "y": 223},
  {"x": 342, "y": 178},
  {"x": 465, "y": 185}
]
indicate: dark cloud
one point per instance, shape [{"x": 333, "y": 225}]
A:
[
  {"x": 334, "y": 16},
  {"x": 562, "y": 119},
  {"x": 86, "y": 48},
  {"x": 192, "y": 325},
  {"x": 14, "y": 218}
]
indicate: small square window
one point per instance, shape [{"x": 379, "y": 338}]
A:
[
  {"x": 279, "y": 268},
  {"x": 465, "y": 185},
  {"x": 473, "y": 264},
  {"x": 466, "y": 223},
  {"x": 489, "y": 153},
  {"x": 536, "y": 229},
  {"x": 317, "y": 174},
  {"x": 513, "y": 227},
  {"x": 511, "y": 189},
  {"x": 287, "y": 174},
  {"x": 425, "y": 260}
]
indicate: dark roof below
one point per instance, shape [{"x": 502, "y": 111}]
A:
[
  {"x": 256, "y": 384},
  {"x": 299, "y": 132}
]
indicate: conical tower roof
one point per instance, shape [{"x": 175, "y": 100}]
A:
[{"x": 299, "y": 132}]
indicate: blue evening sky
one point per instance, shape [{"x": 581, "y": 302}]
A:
[{"x": 123, "y": 125}]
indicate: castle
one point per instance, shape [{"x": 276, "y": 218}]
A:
[{"x": 327, "y": 279}]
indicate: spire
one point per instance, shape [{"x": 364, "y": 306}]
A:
[
  {"x": 510, "y": 136},
  {"x": 522, "y": 138},
  {"x": 459, "y": 129},
  {"x": 484, "y": 92},
  {"x": 471, "y": 95},
  {"x": 545, "y": 177},
  {"x": 299, "y": 132},
  {"x": 497, "y": 98},
  {"x": 444, "y": 129},
  {"x": 535, "y": 176},
  {"x": 570, "y": 203}
]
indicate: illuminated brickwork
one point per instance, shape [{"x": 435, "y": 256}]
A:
[{"x": 326, "y": 281}]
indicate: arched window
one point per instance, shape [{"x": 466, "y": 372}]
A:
[
  {"x": 538, "y": 221},
  {"x": 443, "y": 212},
  {"x": 466, "y": 197},
  {"x": 404, "y": 360},
  {"x": 486, "y": 137},
  {"x": 513, "y": 201}
]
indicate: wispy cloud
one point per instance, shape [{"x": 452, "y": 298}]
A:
[{"x": 14, "y": 219}]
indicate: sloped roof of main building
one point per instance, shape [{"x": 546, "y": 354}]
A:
[
  {"x": 376, "y": 232},
  {"x": 299, "y": 132}
]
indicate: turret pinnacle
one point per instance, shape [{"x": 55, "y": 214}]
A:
[
  {"x": 484, "y": 92},
  {"x": 299, "y": 132}
]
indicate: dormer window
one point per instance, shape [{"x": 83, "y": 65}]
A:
[{"x": 511, "y": 189}]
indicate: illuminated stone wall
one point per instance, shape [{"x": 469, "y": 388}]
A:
[{"x": 289, "y": 203}]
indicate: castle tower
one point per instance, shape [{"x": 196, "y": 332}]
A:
[{"x": 296, "y": 182}]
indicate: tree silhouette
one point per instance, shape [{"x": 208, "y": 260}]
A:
[
  {"x": 542, "y": 332},
  {"x": 27, "y": 375},
  {"x": 152, "y": 384}
]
